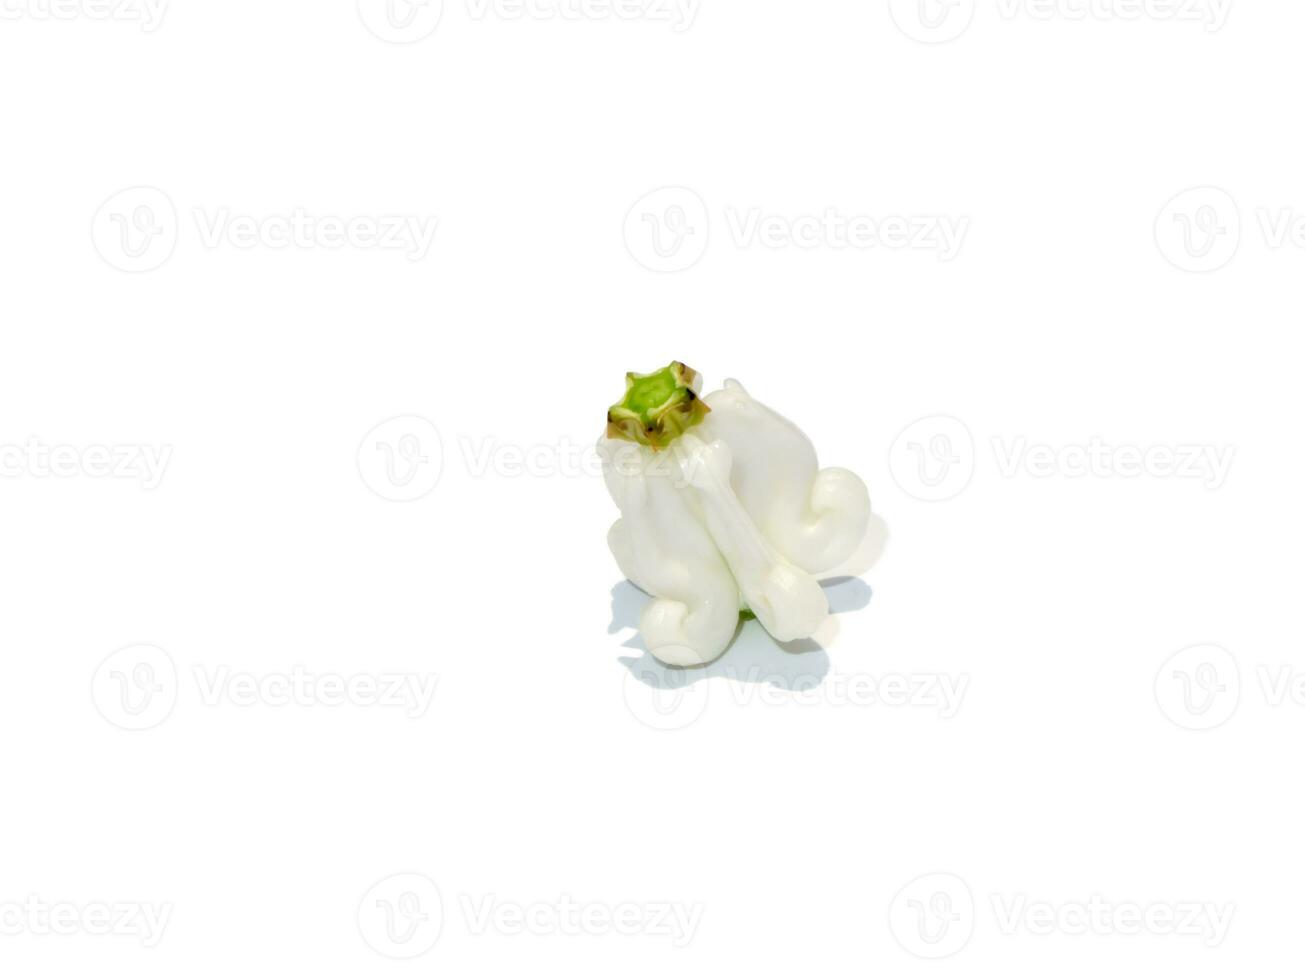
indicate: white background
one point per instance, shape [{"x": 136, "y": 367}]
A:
[{"x": 1074, "y": 310}]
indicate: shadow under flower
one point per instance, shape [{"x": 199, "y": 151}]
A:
[{"x": 753, "y": 656}]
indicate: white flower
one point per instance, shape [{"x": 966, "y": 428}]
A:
[{"x": 723, "y": 508}]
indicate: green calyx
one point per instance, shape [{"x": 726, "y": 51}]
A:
[{"x": 657, "y": 407}]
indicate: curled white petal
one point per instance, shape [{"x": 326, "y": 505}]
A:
[
  {"x": 787, "y": 600},
  {"x": 815, "y": 518},
  {"x": 662, "y": 547}
]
